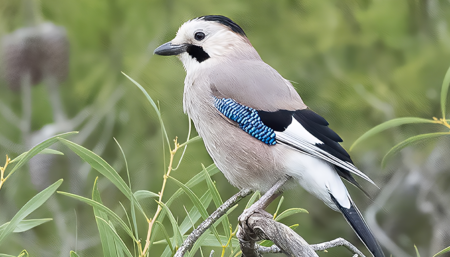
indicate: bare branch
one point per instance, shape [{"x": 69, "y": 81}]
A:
[
  {"x": 190, "y": 240},
  {"x": 337, "y": 242},
  {"x": 263, "y": 228}
]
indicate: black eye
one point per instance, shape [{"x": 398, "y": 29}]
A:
[{"x": 199, "y": 36}]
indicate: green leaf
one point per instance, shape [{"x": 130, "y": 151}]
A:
[
  {"x": 197, "y": 203},
  {"x": 444, "y": 91},
  {"x": 217, "y": 200},
  {"x": 29, "y": 207},
  {"x": 252, "y": 199},
  {"x": 73, "y": 254},
  {"x": 394, "y": 150},
  {"x": 104, "y": 168},
  {"x": 6, "y": 255},
  {"x": 446, "y": 250},
  {"x": 178, "y": 238},
  {"x": 44, "y": 151},
  {"x": 119, "y": 243},
  {"x": 199, "y": 177},
  {"x": 390, "y": 124},
  {"x": 417, "y": 251},
  {"x": 278, "y": 206},
  {"x": 290, "y": 212},
  {"x": 110, "y": 213},
  {"x": 155, "y": 107},
  {"x": 25, "y": 225},
  {"x": 25, "y": 157},
  {"x": 106, "y": 238},
  {"x": 133, "y": 211},
  {"x": 24, "y": 253},
  {"x": 194, "y": 214},
  {"x": 143, "y": 194},
  {"x": 166, "y": 235}
]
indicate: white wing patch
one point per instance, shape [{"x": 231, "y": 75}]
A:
[{"x": 299, "y": 138}]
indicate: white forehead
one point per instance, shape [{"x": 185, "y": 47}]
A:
[{"x": 189, "y": 28}]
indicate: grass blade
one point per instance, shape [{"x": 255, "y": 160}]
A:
[
  {"x": 394, "y": 150},
  {"x": 390, "y": 124},
  {"x": 24, "y": 253},
  {"x": 25, "y": 157},
  {"x": 103, "y": 167},
  {"x": 119, "y": 243},
  {"x": 197, "y": 203},
  {"x": 194, "y": 214},
  {"x": 417, "y": 251},
  {"x": 25, "y": 225},
  {"x": 444, "y": 92},
  {"x": 143, "y": 194},
  {"x": 107, "y": 240},
  {"x": 178, "y": 238},
  {"x": 166, "y": 235},
  {"x": 252, "y": 199},
  {"x": 217, "y": 200},
  {"x": 29, "y": 207},
  {"x": 108, "y": 211},
  {"x": 6, "y": 255},
  {"x": 73, "y": 254},
  {"x": 44, "y": 151},
  {"x": 290, "y": 212},
  {"x": 446, "y": 250},
  {"x": 149, "y": 98}
]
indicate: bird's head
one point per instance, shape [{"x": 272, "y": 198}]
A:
[{"x": 208, "y": 38}]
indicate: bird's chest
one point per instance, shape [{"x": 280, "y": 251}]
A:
[{"x": 245, "y": 161}]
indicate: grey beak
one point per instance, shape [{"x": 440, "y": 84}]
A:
[{"x": 170, "y": 49}]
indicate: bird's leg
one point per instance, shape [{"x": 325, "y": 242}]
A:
[{"x": 263, "y": 202}]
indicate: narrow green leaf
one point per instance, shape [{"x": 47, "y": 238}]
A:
[
  {"x": 252, "y": 199},
  {"x": 119, "y": 243},
  {"x": 104, "y": 168},
  {"x": 211, "y": 241},
  {"x": 217, "y": 200},
  {"x": 25, "y": 225},
  {"x": 73, "y": 254},
  {"x": 6, "y": 255},
  {"x": 44, "y": 151},
  {"x": 390, "y": 124},
  {"x": 143, "y": 194},
  {"x": 196, "y": 201},
  {"x": 212, "y": 169},
  {"x": 153, "y": 104},
  {"x": 106, "y": 238},
  {"x": 199, "y": 243},
  {"x": 394, "y": 150},
  {"x": 166, "y": 235},
  {"x": 417, "y": 251},
  {"x": 278, "y": 206},
  {"x": 194, "y": 214},
  {"x": 25, "y": 157},
  {"x": 446, "y": 250},
  {"x": 444, "y": 92},
  {"x": 110, "y": 213},
  {"x": 178, "y": 238},
  {"x": 133, "y": 211},
  {"x": 29, "y": 207},
  {"x": 24, "y": 253},
  {"x": 290, "y": 212}
]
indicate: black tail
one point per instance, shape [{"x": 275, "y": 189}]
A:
[{"x": 356, "y": 221}]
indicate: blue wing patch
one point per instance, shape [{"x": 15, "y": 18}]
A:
[{"x": 247, "y": 118}]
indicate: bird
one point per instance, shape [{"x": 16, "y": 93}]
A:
[{"x": 254, "y": 124}]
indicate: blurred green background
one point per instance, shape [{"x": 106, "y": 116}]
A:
[{"x": 356, "y": 62}]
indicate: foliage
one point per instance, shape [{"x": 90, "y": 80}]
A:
[
  {"x": 356, "y": 63},
  {"x": 409, "y": 120}
]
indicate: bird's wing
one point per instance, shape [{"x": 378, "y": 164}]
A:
[{"x": 267, "y": 107}]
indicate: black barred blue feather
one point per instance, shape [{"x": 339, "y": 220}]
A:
[{"x": 247, "y": 118}]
